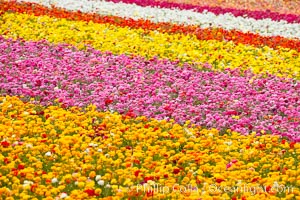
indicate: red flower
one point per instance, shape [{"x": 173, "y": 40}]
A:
[
  {"x": 6, "y": 161},
  {"x": 20, "y": 166},
  {"x": 130, "y": 113},
  {"x": 33, "y": 187},
  {"x": 176, "y": 171},
  {"x": 292, "y": 145},
  {"x": 268, "y": 188},
  {"x": 255, "y": 179},
  {"x": 147, "y": 126},
  {"x": 90, "y": 192},
  {"x": 282, "y": 141},
  {"x": 150, "y": 193},
  {"x": 136, "y": 161},
  {"x": 219, "y": 180},
  {"x": 108, "y": 101},
  {"x": 231, "y": 112},
  {"x": 278, "y": 168},
  {"x": 15, "y": 171},
  {"x": 136, "y": 173},
  {"x": 5, "y": 144}
]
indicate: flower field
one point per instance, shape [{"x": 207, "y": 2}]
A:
[{"x": 149, "y": 99}]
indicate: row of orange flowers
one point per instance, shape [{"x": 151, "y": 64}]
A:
[{"x": 202, "y": 34}]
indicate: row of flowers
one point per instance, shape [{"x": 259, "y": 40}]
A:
[
  {"x": 277, "y": 6},
  {"x": 201, "y": 34},
  {"x": 119, "y": 40},
  {"x": 258, "y": 14},
  {"x": 227, "y": 21},
  {"x": 53, "y": 153},
  {"x": 154, "y": 88}
]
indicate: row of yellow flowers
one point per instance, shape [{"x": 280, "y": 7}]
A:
[
  {"x": 119, "y": 40},
  {"x": 79, "y": 153}
]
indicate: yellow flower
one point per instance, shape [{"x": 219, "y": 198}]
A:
[
  {"x": 92, "y": 174},
  {"x": 80, "y": 184}
]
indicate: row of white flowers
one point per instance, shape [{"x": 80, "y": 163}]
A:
[{"x": 264, "y": 27}]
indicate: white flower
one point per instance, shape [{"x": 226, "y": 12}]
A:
[
  {"x": 63, "y": 195},
  {"x": 99, "y": 150},
  {"x": 93, "y": 145},
  {"x": 229, "y": 143},
  {"x": 108, "y": 186},
  {"x": 111, "y": 110},
  {"x": 100, "y": 182},
  {"x": 54, "y": 180},
  {"x": 276, "y": 184},
  {"x": 48, "y": 153},
  {"x": 119, "y": 190},
  {"x": 98, "y": 177},
  {"x": 188, "y": 132},
  {"x": 26, "y": 113},
  {"x": 28, "y": 182}
]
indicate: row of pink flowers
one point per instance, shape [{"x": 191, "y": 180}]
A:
[
  {"x": 291, "y": 18},
  {"x": 155, "y": 88}
]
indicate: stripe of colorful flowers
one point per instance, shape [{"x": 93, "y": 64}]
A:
[
  {"x": 201, "y": 34},
  {"x": 291, "y": 18},
  {"x": 185, "y": 48},
  {"x": 155, "y": 89},
  {"x": 53, "y": 153},
  {"x": 281, "y": 6},
  {"x": 265, "y": 27}
]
